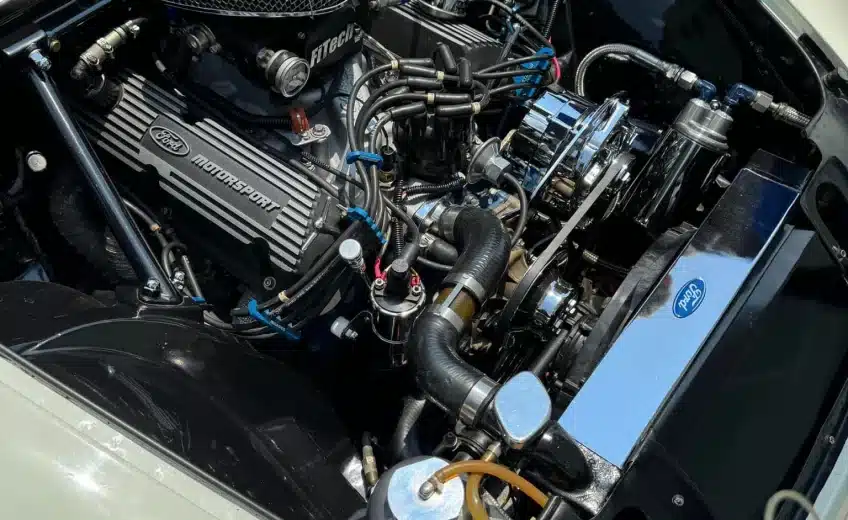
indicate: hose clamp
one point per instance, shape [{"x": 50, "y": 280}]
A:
[
  {"x": 447, "y": 221},
  {"x": 478, "y": 397},
  {"x": 444, "y": 311},
  {"x": 469, "y": 283}
]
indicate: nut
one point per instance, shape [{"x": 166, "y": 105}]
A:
[
  {"x": 762, "y": 101},
  {"x": 179, "y": 280},
  {"x": 41, "y": 61},
  {"x": 496, "y": 167},
  {"x": 687, "y": 80},
  {"x": 151, "y": 288}
]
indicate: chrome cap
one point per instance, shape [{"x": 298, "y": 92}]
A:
[{"x": 522, "y": 409}]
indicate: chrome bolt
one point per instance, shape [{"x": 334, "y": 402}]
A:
[
  {"x": 179, "y": 280},
  {"x": 678, "y": 500},
  {"x": 379, "y": 284},
  {"x": 151, "y": 288},
  {"x": 831, "y": 439},
  {"x": 417, "y": 290},
  {"x": 36, "y": 162},
  {"x": 41, "y": 61},
  {"x": 320, "y": 130}
]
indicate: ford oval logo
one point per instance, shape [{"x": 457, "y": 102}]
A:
[
  {"x": 690, "y": 297},
  {"x": 169, "y": 141}
]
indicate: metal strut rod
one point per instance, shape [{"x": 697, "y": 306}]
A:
[{"x": 157, "y": 286}]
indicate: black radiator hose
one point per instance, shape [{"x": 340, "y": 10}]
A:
[{"x": 444, "y": 377}]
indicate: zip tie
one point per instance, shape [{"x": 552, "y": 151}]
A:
[
  {"x": 264, "y": 319},
  {"x": 283, "y": 296},
  {"x": 440, "y": 75},
  {"x": 475, "y": 107},
  {"x": 155, "y": 228},
  {"x": 359, "y": 214},
  {"x": 431, "y": 98},
  {"x": 366, "y": 157},
  {"x": 395, "y": 64}
]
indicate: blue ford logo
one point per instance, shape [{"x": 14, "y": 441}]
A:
[{"x": 689, "y": 297}]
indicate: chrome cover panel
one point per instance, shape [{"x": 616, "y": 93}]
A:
[{"x": 619, "y": 401}]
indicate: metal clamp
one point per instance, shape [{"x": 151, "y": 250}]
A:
[
  {"x": 469, "y": 283},
  {"x": 447, "y": 221},
  {"x": 444, "y": 311},
  {"x": 476, "y": 400}
]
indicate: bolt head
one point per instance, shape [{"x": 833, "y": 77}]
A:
[
  {"x": 301, "y": 36},
  {"x": 36, "y": 162},
  {"x": 269, "y": 283},
  {"x": 54, "y": 45},
  {"x": 496, "y": 167},
  {"x": 678, "y": 500},
  {"x": 379, "y": 283},
  {"x": 416, "y": 290},
  {"x": 151, "y": 288}
]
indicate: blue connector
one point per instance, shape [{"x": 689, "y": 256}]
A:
[
  {"x": 739, "y": 93},
  {"x": 545, "y": 52},
  {"x": 706, "y": 90},
  {"x": 359, "y": 214},
  {"x": 198, "y": 299},
  {"x": 366, "y": 157},
  {"x": 272, "y": 324}
]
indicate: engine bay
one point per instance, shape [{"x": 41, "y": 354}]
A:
[{"x": 484, "y": 239}]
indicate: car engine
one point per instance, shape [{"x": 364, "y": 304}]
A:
[{"x": 476, "y": 244}]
